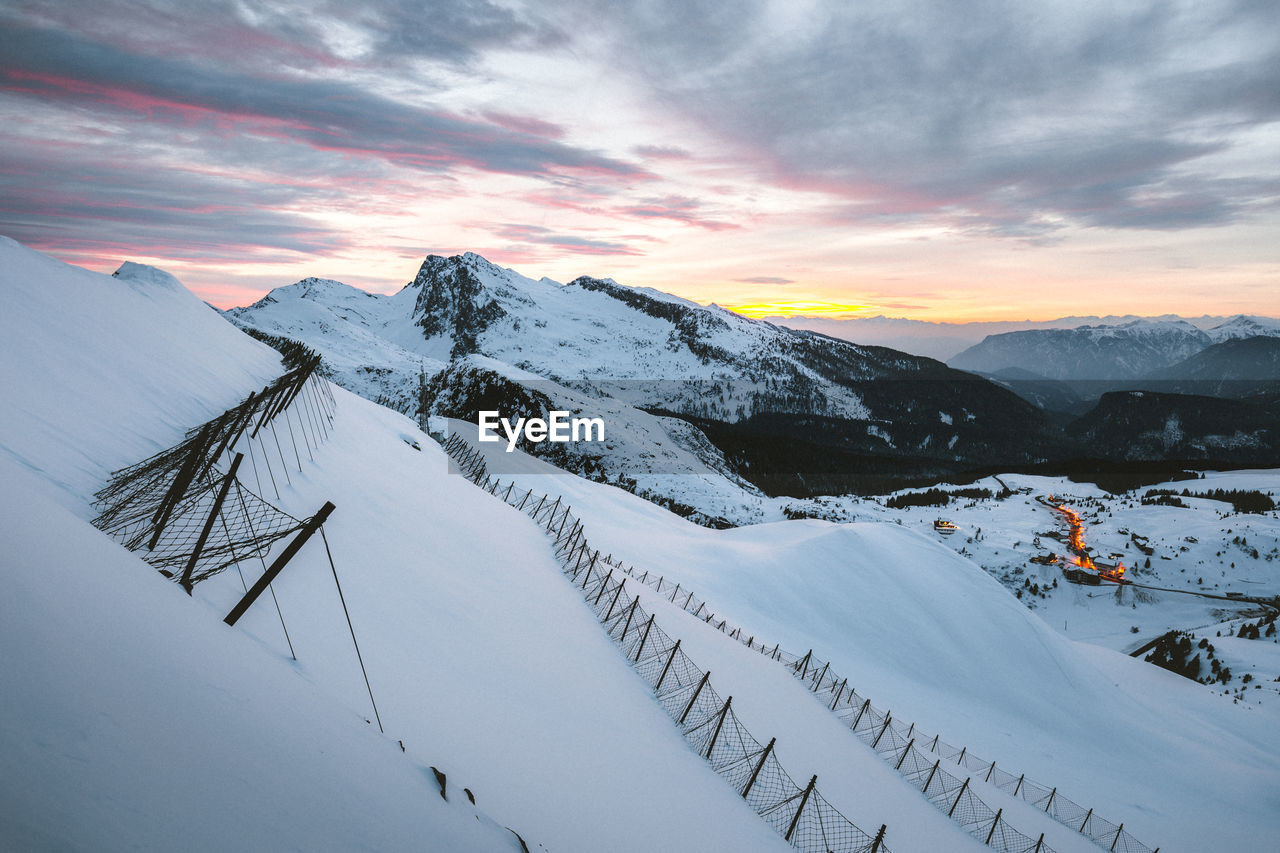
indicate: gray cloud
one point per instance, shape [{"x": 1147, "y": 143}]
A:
[
  {"x": 571, "y": 243},
  {"x": 998, "y": 114},
  {"x": 101, "y": 199},
  {"x": 329, "y": 115}
]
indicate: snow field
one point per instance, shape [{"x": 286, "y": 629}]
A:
[
  {"x": 928, "y": 634},
  {"x": 483, "y": 663}
]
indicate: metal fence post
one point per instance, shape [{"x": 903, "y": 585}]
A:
[
  {"x": 701, "y": 684},
  {"x": 674, "y": 650},
  {"x": 963, "y": 788},
  {"x": 759, "y": 766},
  {"x": 719, "y": 724},
  {"x": 311, "y": 526},
  {"x": 993, "y": 826},
  {"x": 644, "y": 639},
  {"x": 208, "y": 524},
  {"x": 804, "y": 799}
]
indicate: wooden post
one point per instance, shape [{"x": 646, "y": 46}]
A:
[
  {"x": 1018, "y": 787},
  {"x": 603, "y": 587},
  {"x": 934, "y": 748},
  {"x": 1040, "y": 844},
  {"x": 675, "y": 593},
  {"x": 839, "y": 694},
  {"x": 631, "y": 611},
  {"x": 911, "y": 730},
  {"x": 674, "y": 650},
  {"x": 551, "y": 517},
  {"x": 310, "y": 527},
  {"x": 688, "y": 600},
  {"x": 960, "y": 760},
  {"x": 526, "y": 497},
  {"x": 990, "y": 771},
  {"x": 1117, "y": 838},
  {"x": 694, "y": 698},
  {"x": 817, "y": 682},
  {"x": 875, "y": 845},
  {"x": 1086, "y": 820},
  {"x": 701, "y": 604},
  {"x": 804, "y": 664},
  {"x": 888, "y": 715},
  {"x": 929, "y": 781},
  {"x": 195, "y": 456},
  {"x": 237, "y": 426},
  {"x": 910, "y": 744},
  {"x": 616, "y": 596},
  {"x": 863, "y": 710},
  {"x": 993, "y": 826},
  {"x": 804, "y": 799},
  {"x": 645, "y": 638},
  {"x": 507, "y": 496},
  {"x": 1050, "y": 803},
  {"x": 720, "y": 724},
  {"x": 208, "y": 524},
  {"x": 586, "y": 575},
  {"x": 759, "y": 766},
  {"x": 963, "y": 788}
]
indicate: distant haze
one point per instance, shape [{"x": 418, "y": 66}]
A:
[{"x": 945, "y": 340}]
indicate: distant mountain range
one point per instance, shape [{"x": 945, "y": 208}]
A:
[
  {"x": 647, "y": 357},
  {"x": 1132, "y": 350},
  {"x": 943, "y": 341},
  {"x": 704, "y": 405}
]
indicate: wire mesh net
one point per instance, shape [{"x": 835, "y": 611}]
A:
[
  {"x": 920, "y": 757},
  {"x": 916, "y": 754},
  {"x": 191, "y": 520},
  {"x": 706, "y": 720}
]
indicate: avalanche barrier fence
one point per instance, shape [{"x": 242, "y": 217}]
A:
[
  {"x": 191, "y": 520},
  {"x": 920, "y": 758},
  {"x": 905, "y": 745},
  {"x": 803, "y": 817}
]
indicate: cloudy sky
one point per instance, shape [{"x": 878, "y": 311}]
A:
[{"x": 937, "y": 160}]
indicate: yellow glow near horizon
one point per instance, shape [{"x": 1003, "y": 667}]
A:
[{"x": 798, "y": 308}]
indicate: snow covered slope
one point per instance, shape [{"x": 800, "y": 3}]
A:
[
  {"x": 145, "y": 723},
  {"x": 930, "y": 635}
]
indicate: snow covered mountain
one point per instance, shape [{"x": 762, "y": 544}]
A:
[
  {"x": 1127, "y": 351},
  {"x": 144, "y": 722},
  {"x": 1133, "y": 350},
  {"x": 943, "y": 341},
  {"x": 1234, "y": 367},
  {"x": 1242, "y": 326},
  {"x": 652, "y": 351}
]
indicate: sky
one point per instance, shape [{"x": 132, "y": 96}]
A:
[{"x": 983, "y": 160}]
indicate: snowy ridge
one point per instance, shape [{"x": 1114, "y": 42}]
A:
[
  {"x": 888, "y": 737},
  {"x": 706, "y": 722}
]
